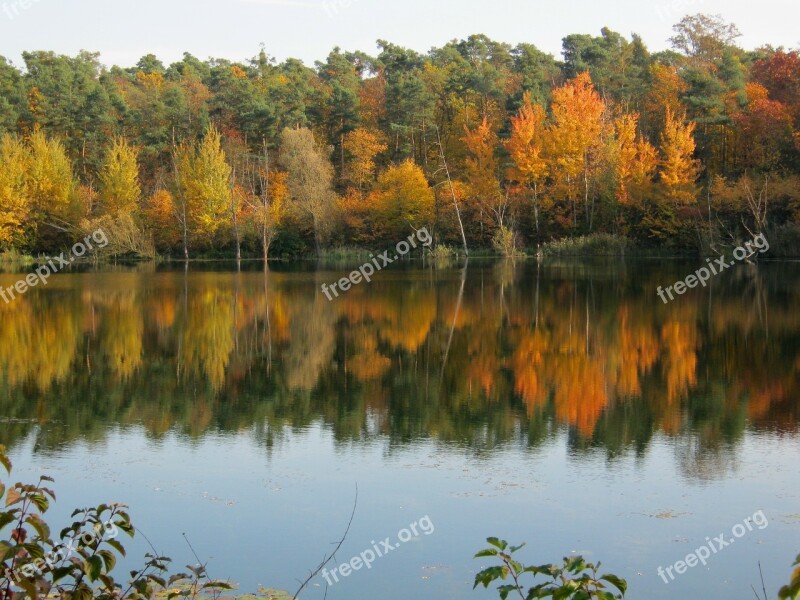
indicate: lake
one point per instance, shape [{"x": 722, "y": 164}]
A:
[{"x": 558, "y": 402}]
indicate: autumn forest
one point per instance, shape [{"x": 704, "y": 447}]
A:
[{"x": 489, "y": 146}]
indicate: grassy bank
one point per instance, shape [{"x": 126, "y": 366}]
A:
[{"x": 12, "y": 258}]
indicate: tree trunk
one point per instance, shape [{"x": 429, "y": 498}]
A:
[{"x": 452, "y": 192}]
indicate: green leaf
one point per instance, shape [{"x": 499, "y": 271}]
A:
[
  {"x": 487, "y": 552},
  {"x": 487, "y": 576},
  {"x": 108, "y": 558},
  {"x": 95, "y": 564},
  {"x": 117, "y": 546},
  {"x": 108, "y": 582},
  {"x": 83, "y": 593},
  {"x": 60, "y": 572},
  {"x": 617, "y": 582},
  {"x": 6, "y": 518},
  {"x": 6, "y": 550},
  {"x": 35, "y": 550},
  {"x": 39, "y": 525},
  {"x": 497, "y": 543}
]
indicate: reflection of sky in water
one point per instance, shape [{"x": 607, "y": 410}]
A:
[{"x": 266, "y": 517}]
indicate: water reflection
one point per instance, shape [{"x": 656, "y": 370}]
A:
[{"x": 497, "y": 353}]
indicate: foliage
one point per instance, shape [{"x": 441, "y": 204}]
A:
[
  {"x": 792, "y": 590},
  {"x": 120, "y": 190},
  {"x": 598, "y": 244},
  {"x": 613, "y": 139},
  {"x": 204, "y": 179},
  {"x": 33, "y": 562},
  {"x": 362, "y": 146},
  {"x": 442, "y": 251},
  {"x": 310, "y": 180},
  {"x": 506, "y": 242},
  {"x": 15, "y": 203},
  {"x": 575, "y": 579},
  {"x": 402, "y": 199},
  {"x": 125, "y": 237}
]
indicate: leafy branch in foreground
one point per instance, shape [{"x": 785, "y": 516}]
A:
[
  {"x": 574, "y": 580},
  {"x": 792, "y": 591},
  {"x": 78, "y": 567}
]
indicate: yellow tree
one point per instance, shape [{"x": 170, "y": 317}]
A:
[
  {"x": 577, "y": 135},
  {"x": 205, "y": 191},
  {"x": 14, "y": 200},
  {"x": 634, "y": 160},
  {"x": 361, "y": 146},
  {"x": 527, "y": 149},
  {"x": 402, "y": 198},
  {"x": 679, "y": 170},
  {"x": 119, "y": 188},
  {"x": 51, "y": 183}
]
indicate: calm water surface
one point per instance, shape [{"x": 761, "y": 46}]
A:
[{"x": 558, "y": 403}]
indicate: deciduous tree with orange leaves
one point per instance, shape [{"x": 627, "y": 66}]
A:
[
  {"x": 527, "y": 147},
  {"x": 482, "y": 170},
  {"x": 577, "y": 138}
]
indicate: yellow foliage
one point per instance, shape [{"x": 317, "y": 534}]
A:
[
  {"x": 403, "y": 199},
  {"x": 15, "y": 202},
  {"x": 679, "y": 170},
  {"x": 119, "y": 178}
]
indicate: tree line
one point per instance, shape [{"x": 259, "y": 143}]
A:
[{"x": 485, "y": 144}]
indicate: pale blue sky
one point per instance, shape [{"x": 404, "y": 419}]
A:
[{"x": 305, "y": 29}]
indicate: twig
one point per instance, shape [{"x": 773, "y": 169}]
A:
[
  {"x": 140, "y": 573},
  {"x": 329, "y": 557},
  {"x": 202, "y": 564}
]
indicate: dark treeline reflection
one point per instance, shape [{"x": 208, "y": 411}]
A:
[{"x": 501, "y": 352}]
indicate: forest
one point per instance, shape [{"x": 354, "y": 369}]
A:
[{"x": 489, "y": 146}]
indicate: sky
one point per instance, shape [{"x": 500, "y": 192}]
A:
[{"x": 309, "y": 29}]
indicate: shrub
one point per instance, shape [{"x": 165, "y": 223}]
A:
[
  {"x": 574, "y": 580},
  {"x": 506, "y": 242},
  {"x": 79, "y": 566},
  {"x": 597, "y": 244},
  {"x": 792, "y": 591}
]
